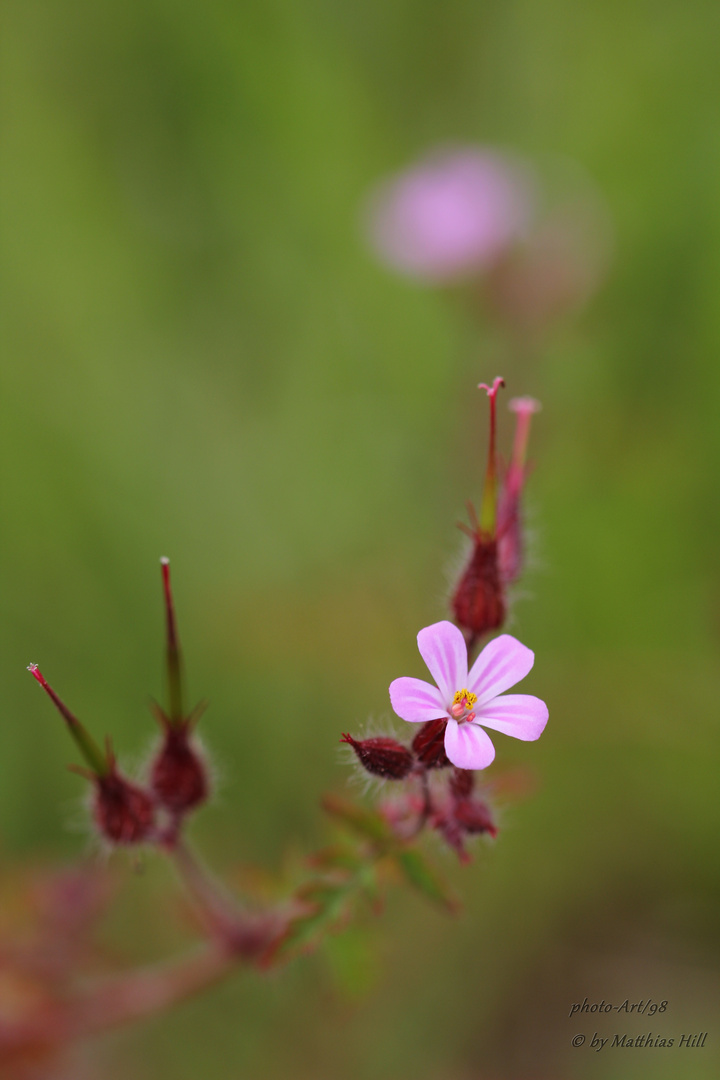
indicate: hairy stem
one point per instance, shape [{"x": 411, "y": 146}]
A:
[{"x": 222, "y": 917}]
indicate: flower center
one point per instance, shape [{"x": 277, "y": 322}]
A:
[{"x": 461, "y": 708}]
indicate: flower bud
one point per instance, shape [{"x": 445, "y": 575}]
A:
[
  {"x": 469, "y": 813},
  {"x": 382, "y": 756},
  {"x": 178, "y": 774},
  {"x": 460, "y": 813},
  {"x": 429, "y": 744},
  {"x": 479, "y": 600},
  {"x": 474, "y": 816},
  {"x": 123, "y": 812}
]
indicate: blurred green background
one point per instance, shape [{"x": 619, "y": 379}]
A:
[{"x": 203, "y": 360}]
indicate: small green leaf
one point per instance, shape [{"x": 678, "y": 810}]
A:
[
  {"x": 328, "y": 908},
  {"x": 425, "y": 878}
]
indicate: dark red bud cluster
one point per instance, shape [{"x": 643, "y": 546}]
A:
[
  {"x": 474, "y": 817},
  {"x": 124, "y": 812},
  {"x": 462, "y": 813},
  {"x": 452, "y": 810}
]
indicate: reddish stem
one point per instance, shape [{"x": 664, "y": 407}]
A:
[
  {"x": 174, "y": 657},
  {"x": 489, "y": 500}
]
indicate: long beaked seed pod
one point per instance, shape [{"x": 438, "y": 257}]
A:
[
  {"x": 478, "y": 603},
  {"x": 123, "y": 812},
  {"x": 179, "y": 775},
  {"x": 510, "y": 547}
]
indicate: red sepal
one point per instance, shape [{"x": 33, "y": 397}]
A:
[{"x": 382, "y": 756}]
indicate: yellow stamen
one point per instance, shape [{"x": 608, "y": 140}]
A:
[{"x": 466, "y": 698}]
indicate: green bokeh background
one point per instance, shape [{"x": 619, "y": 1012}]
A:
[{"x": 203, "y": 360}]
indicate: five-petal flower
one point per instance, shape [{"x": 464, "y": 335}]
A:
[{"x": 470, "y": 701}]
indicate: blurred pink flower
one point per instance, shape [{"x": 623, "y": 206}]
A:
[
  {"x": 468, "y": 700},
  {"x": 450, "y": 216}
]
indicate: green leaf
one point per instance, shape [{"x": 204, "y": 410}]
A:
[
  {"x": 326, "y": 905},
  {"x": 418, "y": 871}
]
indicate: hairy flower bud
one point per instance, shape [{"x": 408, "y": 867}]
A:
[
  {"x": 474, "y": 816},
  {"x": 178, "y": 774},
  {"x": 382, "y": 756},
  {"x": 460, "y": 813},
  {"x": 469, "y": 813},
  {"x": 429, "y": 744},
  {"x": 479, "y": 600},
  {"x": 123, "y": 812}
]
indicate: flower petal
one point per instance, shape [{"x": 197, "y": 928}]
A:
[
  {"x": 520, "y": 715},
  {"x": 502, "y": 663},
  {"x": 468, "y": 746},
  {"x": 443, "y": 649},
  {"x": 416, "y": 701}
]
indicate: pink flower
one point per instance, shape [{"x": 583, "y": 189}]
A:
[
  {"x": 470, "y": 701},
  {"x": 451, "y": 215}
]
